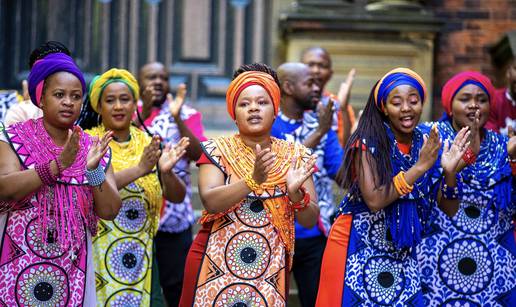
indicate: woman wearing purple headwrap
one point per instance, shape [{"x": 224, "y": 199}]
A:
[{"x": 55, "y": 182}]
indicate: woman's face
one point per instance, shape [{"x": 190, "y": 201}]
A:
[
  {"x": 117, "y": 106},
  {"x": 465, "y": 104},
  {"x": 254, "y": 111},
  {"x": 403, "y": 109},
  {"x": 62, "y": 100}
]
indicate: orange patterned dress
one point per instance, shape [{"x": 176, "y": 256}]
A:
[{"x": 249, "y": 247}]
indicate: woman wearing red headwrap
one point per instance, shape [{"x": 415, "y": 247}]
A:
[
  {"x": 470, "y": 259},
  {"x": 252, "y": 187}
]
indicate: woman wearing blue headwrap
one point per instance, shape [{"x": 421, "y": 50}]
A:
[
  {"x": 370, "y": 255},
  {"x": 55, "y": 182},
  {"x": 470, "y": 258}
]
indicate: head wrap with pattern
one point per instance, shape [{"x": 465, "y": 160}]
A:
[
  {"x": 100, "y": 82},
  {"x": 394, "y": 78},
  {"x": 247, "y": 79}
]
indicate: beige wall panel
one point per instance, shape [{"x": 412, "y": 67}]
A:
[{"x": 196, "y": 24}]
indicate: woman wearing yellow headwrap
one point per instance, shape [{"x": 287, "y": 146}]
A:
[
  {"x": 123, "y": 247},
  {"x": 252, "y": 186}
]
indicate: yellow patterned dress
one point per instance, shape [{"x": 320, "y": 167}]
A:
[{"x": 123, "y": 247}]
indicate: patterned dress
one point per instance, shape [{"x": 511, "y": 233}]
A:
[
  {"x": 123, "y": 247},
  {"x": 470, "y": 259},
  {"x": 364, "y": 264},
  {"x": 45, "y": 251},
  {"x": 246, "y": 261}
]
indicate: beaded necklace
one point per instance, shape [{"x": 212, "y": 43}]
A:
[
  {"x": 234, "y": 157},
  {"x": 243, "y": 162},
  {"x": 65, "y": 206},
  {"x": 128, "y": 154}
]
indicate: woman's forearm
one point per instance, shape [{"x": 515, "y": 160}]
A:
[
  {"x": 194, "y": 149},
  {"x": 449, "y": 206},
  {"x": 174, "y": 188},
  {"x": 106, "y": 198},
  {"x": 18, "y": 185},
  {"x": 377, "y": 198},
  {"x": 221, "y": 198},
  {"x": 128, "y": 175}
]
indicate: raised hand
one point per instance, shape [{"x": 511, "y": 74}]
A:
[
  {"x": 511, "y": 145},
  {"x": 176, "y": 104},
  {"x": 474, "y": 137},
  {"x": 345, "y": 89},
  {"x": 150, "y": 156},
  {"x": 325, "y": 115},
  {"x": 262, "y": 164},
  {"x": 452, "y": 154},
  {"x": 25, "y": 90},
  {"x": 172, "y": 154},
  {"x": 430, "y": 149},
  {"x": 97, "y": 150},
  {"x": 70, "y": 148},
  {"x": 296, "y": 176}
]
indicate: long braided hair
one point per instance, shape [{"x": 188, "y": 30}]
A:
[{"x": 371, "y": 133}]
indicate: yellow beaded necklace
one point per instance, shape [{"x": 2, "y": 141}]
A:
[
  {"x": 243, "y": 157},
  {"x": 127, "y": 154},
  {"x": 238, "y": 159}
]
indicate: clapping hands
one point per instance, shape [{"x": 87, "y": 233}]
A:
[{"x": 172, "y": 154}]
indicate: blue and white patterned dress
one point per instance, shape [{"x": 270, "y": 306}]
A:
[
  {"x": 470, "y": 259},
  {"x": 382, "y": 266}
]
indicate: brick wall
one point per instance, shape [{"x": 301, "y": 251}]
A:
[{"x": 471, "y": 27}]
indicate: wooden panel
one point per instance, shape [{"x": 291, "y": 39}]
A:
[
  {"x": 238, "y": 34},
  {"x": 152, "y": 35},
  {"x": 196, "y": 30},
  {"x": 200, "y": 41},
  {"x": 133, "y": 35},
  {"x": 258, "y": 31}
]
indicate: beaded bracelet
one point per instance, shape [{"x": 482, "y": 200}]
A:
[
  {"x": 401, "y": 185},
  {"x": 95, "y": 177},
  {"x": 303, "y": 203},
  {"x": 59, "y": 167},
  {"x": 469, "y": 156},
  {"x": 44, "y": 173}
]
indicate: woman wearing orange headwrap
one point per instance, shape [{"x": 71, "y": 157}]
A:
[{"x": 252, "y": 186}]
